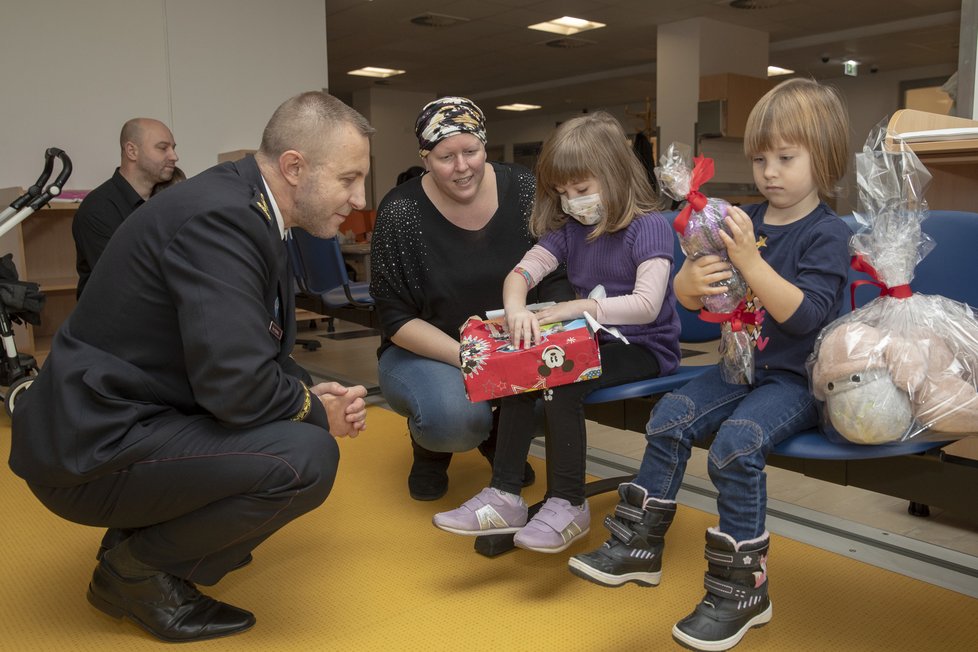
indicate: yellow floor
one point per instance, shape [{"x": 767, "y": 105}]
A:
[{"x": 367, "y": 571}]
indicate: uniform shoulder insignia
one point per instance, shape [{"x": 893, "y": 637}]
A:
[{"x": 261, "y": 204}]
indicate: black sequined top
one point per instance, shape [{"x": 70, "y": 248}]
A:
[{"x": 423, "y": 266}]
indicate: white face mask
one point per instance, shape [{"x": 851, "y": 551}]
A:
[{"x": 586, "y": 209}]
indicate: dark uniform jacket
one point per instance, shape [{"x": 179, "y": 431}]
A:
[{"x": 189, "y": 315}]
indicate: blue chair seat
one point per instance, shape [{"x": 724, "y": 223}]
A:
[
  {"x": 813, "y": 445},
  {"x": 320, "y": 274},
  {"x": 647, "y": 386}
]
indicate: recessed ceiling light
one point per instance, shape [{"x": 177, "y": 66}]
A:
[
  {"x": 566, "y": 25},
  {"x": 754, "y": 4},
  {"x": 437, "y": 20},
  {"x": 372, "y": 71},
  {"x": 774, "y": 71},
  {"x": 516, "y": 106}
]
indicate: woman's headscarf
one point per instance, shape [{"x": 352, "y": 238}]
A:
[{"x": 446, "y": 117}]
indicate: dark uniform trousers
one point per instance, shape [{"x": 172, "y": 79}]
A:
[{"x": 209, "y": 495}]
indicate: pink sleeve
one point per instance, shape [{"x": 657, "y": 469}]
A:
[
  {"x": 536, "y": 263},
  {"x": 643, "y": 304}
]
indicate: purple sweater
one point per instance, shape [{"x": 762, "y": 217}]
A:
[{"x": 612, "y": 261}]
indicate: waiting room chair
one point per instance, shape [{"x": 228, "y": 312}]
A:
[
  {"x": 320, "y": 273},
  {"x": 947, "y": 271}
]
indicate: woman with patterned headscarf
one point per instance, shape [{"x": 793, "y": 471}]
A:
[{"x": 442, "y": 245}]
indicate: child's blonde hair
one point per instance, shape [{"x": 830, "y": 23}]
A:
[
  {"x": 803, "y": 112},
  {"x": 591, "y": 145}
]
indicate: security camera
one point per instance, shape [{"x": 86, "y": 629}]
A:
[{"x": 825, "y": 58}]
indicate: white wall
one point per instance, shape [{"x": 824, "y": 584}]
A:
[
  {"x": 394, "y": 148},
  {"x": 213, "y": 70}
]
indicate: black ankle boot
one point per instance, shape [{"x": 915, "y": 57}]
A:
[
  {"x": 428, "y": 479},
  {"x": 736, "y": 594},
  {"x": 634, "y": 551}
]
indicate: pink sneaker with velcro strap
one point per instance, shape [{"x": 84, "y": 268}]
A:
[{"x": 556, "y": 526}]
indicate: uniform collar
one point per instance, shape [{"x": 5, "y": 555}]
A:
[{"x": 274, "y": 208}]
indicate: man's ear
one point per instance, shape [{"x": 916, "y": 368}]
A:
[
  {"x": 291, "y": 164},
  {"x": 131, "y": 150}
]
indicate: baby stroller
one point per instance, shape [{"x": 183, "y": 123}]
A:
[{"x": 22, "y": 301}]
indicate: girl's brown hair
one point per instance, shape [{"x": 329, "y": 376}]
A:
[
  {"x": 591, "y": 145},
  {"x": 803, "y": 112}
]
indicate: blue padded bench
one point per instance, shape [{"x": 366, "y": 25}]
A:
[{"x": 950, "y": 270}]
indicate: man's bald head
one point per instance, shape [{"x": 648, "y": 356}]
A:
[{"x": 148, "y": 153}]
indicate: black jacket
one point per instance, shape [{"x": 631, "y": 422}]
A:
[{"x": 189, "y": 315}]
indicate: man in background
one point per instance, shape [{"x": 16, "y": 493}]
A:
[{"x": 148, "y": 157}]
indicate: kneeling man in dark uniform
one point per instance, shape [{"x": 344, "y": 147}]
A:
[{"x": 169, "y": 409}]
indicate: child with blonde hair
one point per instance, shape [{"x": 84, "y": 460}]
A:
[{"x": 793, "y": 252}]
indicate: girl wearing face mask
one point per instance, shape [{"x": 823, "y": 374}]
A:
[{"x": 594, "y": 211}]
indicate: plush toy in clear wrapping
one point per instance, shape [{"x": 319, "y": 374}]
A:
[
  {"x": 906, "y": 364},
  {"x": 699, "y": 224}
]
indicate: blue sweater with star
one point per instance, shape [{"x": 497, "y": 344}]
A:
[{"x": 813, "y": 255}]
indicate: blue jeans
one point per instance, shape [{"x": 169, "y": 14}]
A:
[
  {"x": 432, "y": 397},
  {"x": 748, "y": 421}
]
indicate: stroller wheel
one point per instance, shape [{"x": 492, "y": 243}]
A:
[{"x": 15, "y": 391}]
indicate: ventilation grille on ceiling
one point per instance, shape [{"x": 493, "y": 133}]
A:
[
  {"x": 567, "y": 43},
  {"x": 755, "y": 4},
  {"x": 437, "y": 20}
]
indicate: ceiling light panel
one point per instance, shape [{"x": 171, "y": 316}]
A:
[
  {"x": 373, "y": 71},
  {"x": 566, "y": 25}
]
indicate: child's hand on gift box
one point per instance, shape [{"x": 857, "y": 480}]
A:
[{"x": 524, "y": 328}]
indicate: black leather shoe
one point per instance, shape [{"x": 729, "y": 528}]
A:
[
  {"x": 428, "y": 479},
  {"x": 115, "y": 536},
  {"x": 166, "y": 606}
]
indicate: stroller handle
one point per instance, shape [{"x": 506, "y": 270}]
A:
[
  {"x": 59, "y": 183},
  {"x": 37, "y": 195},
  {"x": 38, "y": 187}
]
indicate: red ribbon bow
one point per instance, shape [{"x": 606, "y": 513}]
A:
[
  {"x": 737, "y": 318},
  {"x": 860, "y": 265},
  {"x": 695, "y": 200}
]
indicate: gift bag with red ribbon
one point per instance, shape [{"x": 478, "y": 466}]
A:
[
  {"x": 906, "y": 364},
  {"x": 493, "y": 367},
  {"x": 699, "y": 224}
]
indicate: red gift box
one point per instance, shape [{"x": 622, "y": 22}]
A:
[{"x": 493, "y": 367}]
